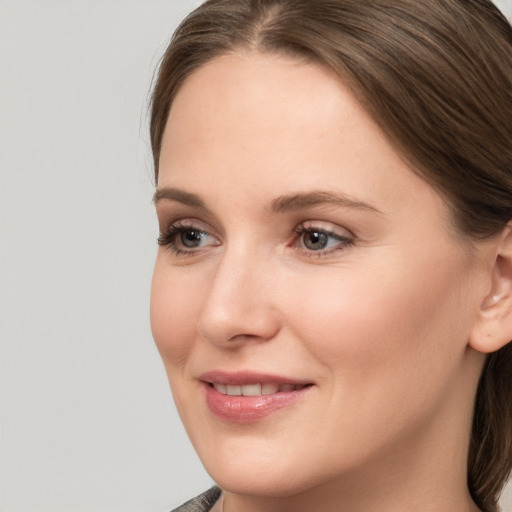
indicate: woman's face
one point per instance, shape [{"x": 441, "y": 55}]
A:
[{"x": 304, "y": 266}]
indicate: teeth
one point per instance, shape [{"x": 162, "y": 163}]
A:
[
  {"x": 221, "y": 388},
  {"x": 234, "y": 390},
  {"x": 251, "y": 390},
  {"x": 269, "y": 389},
  {"x": 256, "y": 389}
]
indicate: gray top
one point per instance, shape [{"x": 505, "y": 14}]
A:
[{"x": 202, "y": 503}]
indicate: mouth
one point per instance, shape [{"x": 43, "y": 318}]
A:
[
  {"x": 248, "y": 397},
  {"x": 256, "y": 389}
]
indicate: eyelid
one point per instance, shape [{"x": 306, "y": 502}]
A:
[
  {"x": 192, "y": 222},
  {"x": 170, "y": 212},
  {"x": 328, "y": 227}
]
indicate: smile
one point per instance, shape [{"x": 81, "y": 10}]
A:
[
  {"x": 249, "y": 397},
  {"x": 256, "y": 389}
]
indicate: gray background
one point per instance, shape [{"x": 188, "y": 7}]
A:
[{"x": 86, "y": 419}]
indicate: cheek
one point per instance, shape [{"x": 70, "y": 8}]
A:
[
  {"x": 175, "y": 306},
  {"x": 391, "y": 326}
]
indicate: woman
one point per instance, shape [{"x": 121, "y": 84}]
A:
[{"x": 332, "y": 296}]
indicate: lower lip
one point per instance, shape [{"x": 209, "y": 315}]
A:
[{"x": 248, "y": 409}]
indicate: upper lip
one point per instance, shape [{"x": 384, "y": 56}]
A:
[{"x": 242, "y": 378}]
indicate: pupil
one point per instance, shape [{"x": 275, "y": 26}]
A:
[
  {"x": 191, "y": 238},
  {"x": 316, "y": 241}
]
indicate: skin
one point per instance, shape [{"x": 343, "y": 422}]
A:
[{"x": 382, "y": 323}]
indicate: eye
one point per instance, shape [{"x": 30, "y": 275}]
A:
[
  {"x": 321, "y": 240},
  {"x": 184, "y": 238},
  {"x": 192, "y": 238}
]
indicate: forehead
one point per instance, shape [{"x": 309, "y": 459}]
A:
[
  {"x": 247, "y": 87},
  {"x": 268, "y": 103},
  {"x": 270, "y": 125}
]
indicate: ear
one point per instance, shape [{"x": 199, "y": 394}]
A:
[{"x": 493, "y": 328}]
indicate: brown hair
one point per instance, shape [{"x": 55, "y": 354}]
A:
[{"x": 437, "y": 77}]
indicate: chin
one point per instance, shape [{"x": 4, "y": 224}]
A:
[
  {"x": 265, "y": 482},
  {"x": 265, "y": 469}
]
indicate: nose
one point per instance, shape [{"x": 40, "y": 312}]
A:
[{"x": 240, "y": 304}]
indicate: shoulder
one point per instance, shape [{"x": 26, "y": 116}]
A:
[{"x": 202, "y": 503}]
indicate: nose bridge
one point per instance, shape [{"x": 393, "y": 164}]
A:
[{"x": 239, "y": 303}]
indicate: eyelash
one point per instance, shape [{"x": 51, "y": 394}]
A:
[{"x": 168, "y": 239}]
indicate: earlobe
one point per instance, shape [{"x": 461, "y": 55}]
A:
[{"x": 493, "y": 328}]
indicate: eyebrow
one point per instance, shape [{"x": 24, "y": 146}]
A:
[
  {"x": 309, "y": 199},
  {"x": 281, "y": 204},
  {"x": 174, "y": 194}
]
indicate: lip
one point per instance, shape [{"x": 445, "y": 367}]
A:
[
  {"x": 247, "y": 377},
  {"x": 249, "y": 409}
]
